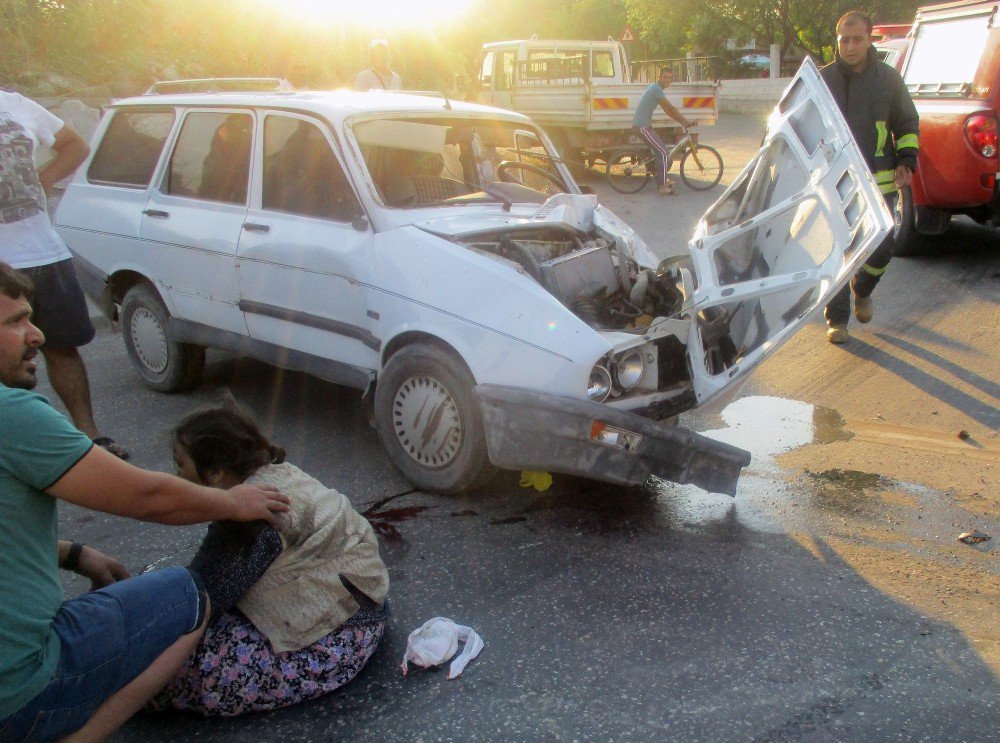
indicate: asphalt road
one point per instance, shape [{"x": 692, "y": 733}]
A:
[{"x": 828, "y": 601}]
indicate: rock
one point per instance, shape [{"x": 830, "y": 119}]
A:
[
  {"x": 78, "y": 116},
  {"x": 61, "y": 83},
  {"x": 42, "y": 89},
  {"x": 973, "y": 537}
]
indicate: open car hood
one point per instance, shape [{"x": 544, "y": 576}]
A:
[{"x": 796, "y": 224}]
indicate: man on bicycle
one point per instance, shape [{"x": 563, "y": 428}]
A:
[{"x": 643, "y": 122}]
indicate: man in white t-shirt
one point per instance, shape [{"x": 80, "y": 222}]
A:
[
  {"x": 30, "y": 244},
  {"x": 379, "y": 76}
]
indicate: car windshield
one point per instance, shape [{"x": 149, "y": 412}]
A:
[
  {"x": 421, "y": 162},
  {"x": 947, "y": 52}
]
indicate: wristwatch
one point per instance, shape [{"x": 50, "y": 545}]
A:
[{"x": 72, "y": 561}]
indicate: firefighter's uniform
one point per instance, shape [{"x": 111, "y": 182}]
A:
[{"x": 884, "y": 122}]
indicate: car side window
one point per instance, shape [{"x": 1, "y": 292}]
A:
[
  {"x": 131, "y": 147},
  {"x": 301, "y": 173},
  {"x": 211, "y": 159}
]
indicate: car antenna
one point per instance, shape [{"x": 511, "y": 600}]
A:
[{"x": 447, "y": 102}]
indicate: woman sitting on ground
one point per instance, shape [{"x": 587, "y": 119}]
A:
[{"x": 298, "y": 608}]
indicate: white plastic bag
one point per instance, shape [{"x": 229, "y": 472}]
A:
[{"x": 436, "y": 641}]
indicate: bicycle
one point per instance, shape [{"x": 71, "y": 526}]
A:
[{"x": 701, "y": 166}]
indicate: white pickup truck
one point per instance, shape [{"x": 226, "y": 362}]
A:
[{"x": 582, "y": 93}]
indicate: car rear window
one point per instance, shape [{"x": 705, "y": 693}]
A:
[
  {"x": 211, "y": 159},
  {"x": 131, "y": 147},
  {"x": 947, "y": 52}
]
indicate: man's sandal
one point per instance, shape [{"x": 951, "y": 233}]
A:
[{"x": 111, "y": 446}]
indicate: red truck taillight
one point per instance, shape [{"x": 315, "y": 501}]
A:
[{"x": 981, "y": 131}]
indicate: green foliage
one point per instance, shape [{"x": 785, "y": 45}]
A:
[
  {"x": 677, "y": 26},
  {"x": 126, "y": 44}
]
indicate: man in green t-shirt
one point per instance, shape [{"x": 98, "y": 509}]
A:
[{"x": 85, "y": 665}]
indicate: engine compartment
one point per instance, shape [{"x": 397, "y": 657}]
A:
[{"x": 589, "y": 273}]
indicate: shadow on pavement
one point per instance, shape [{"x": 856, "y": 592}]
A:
[{"x": 982, "y": 412}]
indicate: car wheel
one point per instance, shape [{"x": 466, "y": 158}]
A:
[
  {"x": 905, "y": 238},
  {"x": 429, "y": 421},
  {"x": 161, "y": 363}
]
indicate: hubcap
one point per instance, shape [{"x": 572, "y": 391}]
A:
[
  {"x": 427, "y": 421},
  {"x": 149, "y": 340}
]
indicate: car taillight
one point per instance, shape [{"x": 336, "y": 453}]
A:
[{"x": 981, "y": 132}]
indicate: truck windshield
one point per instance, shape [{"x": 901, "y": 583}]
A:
[
  {"x": 421, "y": 162},
  {"x": 947, "y": 52}
]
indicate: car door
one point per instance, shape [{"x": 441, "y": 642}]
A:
[
  {"x": 789, "y": 233},
  {"x": 194, "y": 216},
  {"x": 305, "y": 243}
]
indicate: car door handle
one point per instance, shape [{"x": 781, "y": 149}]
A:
[
  {"x": 255, "y": 227},
  {"x": 156, "y": 213}
]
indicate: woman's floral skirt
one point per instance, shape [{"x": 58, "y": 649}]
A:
[{"x": 234, "y": 670}]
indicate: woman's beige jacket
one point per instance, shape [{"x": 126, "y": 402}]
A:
[{"x": 300, "y": 598}]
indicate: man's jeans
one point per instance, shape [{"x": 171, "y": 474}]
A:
[{"x": 107, "y": 639}]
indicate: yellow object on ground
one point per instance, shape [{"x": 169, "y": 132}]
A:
[{"x": 540, "y": 481}]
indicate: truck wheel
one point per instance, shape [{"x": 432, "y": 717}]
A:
[
  {"x": 429, "y": 421},
  {"x": 628, "y": 171},
  {"x": 161, "y": 363},
  {"x": 906, "y": 239}
]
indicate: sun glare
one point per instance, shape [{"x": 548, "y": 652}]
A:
[{"x": 373, "y": 13}]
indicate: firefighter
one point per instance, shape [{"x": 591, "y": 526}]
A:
[{"x": 874, "y": 101}]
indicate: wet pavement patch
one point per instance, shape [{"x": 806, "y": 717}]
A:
[{"x": 851, "y": 479}]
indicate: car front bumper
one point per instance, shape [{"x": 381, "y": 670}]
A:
[{"x": 535, "y": 431}]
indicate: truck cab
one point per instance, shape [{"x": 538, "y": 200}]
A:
[
  {"x": 601, "y": 61},
  {"x": 952, "y": 71}
]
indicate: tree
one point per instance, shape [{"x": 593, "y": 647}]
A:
[{"x": 683, "y": 25}]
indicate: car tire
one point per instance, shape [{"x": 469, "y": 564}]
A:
[
  {"x": 162, "y": 363},
  {"x": 422, "y": 383},
  {"x": 906, "y": 239}
]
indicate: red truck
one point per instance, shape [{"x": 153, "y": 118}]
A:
[{"x": 952, "y": 70}]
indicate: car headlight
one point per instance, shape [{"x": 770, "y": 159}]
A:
[
  {"x": 599, "y": 384},
  {"x": 629, "y": 369}
]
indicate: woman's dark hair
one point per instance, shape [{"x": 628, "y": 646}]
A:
[{"x": 226, "y": 438}]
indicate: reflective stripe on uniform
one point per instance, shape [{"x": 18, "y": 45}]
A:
[
  {"x": 886, "y": 180},
  {"x": 872, "y": 271},
  {"x": 883, "y": 134},
  {"x": 907, "y": 140}
]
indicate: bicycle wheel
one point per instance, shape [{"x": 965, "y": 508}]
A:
[
  {"x": 628, "y": 171},
  {"x": 702, "y": 169}
]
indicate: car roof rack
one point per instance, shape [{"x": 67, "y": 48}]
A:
[{"x": 222, "y": 85}]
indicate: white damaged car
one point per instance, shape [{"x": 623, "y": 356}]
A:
[{"x": 438, "y": 256}]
